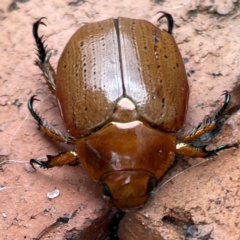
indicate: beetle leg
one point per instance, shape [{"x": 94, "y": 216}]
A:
[
  {"x": 46, "y": 128},
  {"x": 169, "y": 19},
  {"x": 207, "y": 130},
  {"x": 192, "y": 144},
  {"x": 43, "y": 56},
  {"x": 192, "y": 151},
  {"x": 64, "y": 158}
]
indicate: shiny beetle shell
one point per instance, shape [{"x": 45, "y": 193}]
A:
[
  {"x": 103, "y": 63},
  {"x": 106, "y": 61}
]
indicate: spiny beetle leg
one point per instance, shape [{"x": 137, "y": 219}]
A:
[
  {"x": 46, "y": 128},
  {"x": 192, "y": 145},
  {"x": 191, "y": 151},
  {"x": 43, "y": 56},
  {"x": 208, "y": 129},
  {"x": 64, "y": 158}
]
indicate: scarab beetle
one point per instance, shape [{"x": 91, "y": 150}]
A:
[{"x": 122, "y": 91}]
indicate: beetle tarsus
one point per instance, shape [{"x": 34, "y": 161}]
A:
[
  {"x": 42, "y": 164},
  {"x": 192, "y": 144},
  {"x": 169, "y": 19},
  {"x": 41, "y": 48},
  {"x": 222, "y": 115},
  {"x": 210, "y": 127},
  {"x": 43, "y": 56},
  {"x": 214, "y": 152},
  {"x": 47, "y": 128},
  {"x": 225, "y": 105},
  {"x": 34, "y": 113},
  {"x": 64, "y": 158},
  {"x": 217, "y": 121}
]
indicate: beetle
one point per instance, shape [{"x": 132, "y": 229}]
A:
[{"x": 122, "y": 91}]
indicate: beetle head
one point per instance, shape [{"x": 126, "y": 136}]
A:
[
  {"x": 127, "y": 159},
  {"x": 128, "y": 189}
]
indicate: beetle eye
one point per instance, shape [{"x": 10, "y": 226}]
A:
[
  {"x": 151, "y": 185},
  {"x": 106, "y": 191}
]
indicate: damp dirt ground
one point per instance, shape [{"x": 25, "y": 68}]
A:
[{"x": 197, "y": 199}]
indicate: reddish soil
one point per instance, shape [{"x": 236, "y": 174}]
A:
[{"x": 202, "y": 202}]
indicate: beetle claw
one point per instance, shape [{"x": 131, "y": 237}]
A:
[
  {"x": 169, "y": 19},
  {"x": 34, "y": 113},
  {"x": 40, "y": 163},
  {"x": 39, "y": 21},
  {"x": 34, "y": 98},
  {"x": 30, "y": 102}
]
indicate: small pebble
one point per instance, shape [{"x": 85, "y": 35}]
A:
[{"x": 55, "y": 193}]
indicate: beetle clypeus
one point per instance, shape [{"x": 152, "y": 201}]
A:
[{"x": 122, "y": 91}]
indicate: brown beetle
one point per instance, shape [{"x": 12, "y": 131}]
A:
[{"x": 122, "y": 91}]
